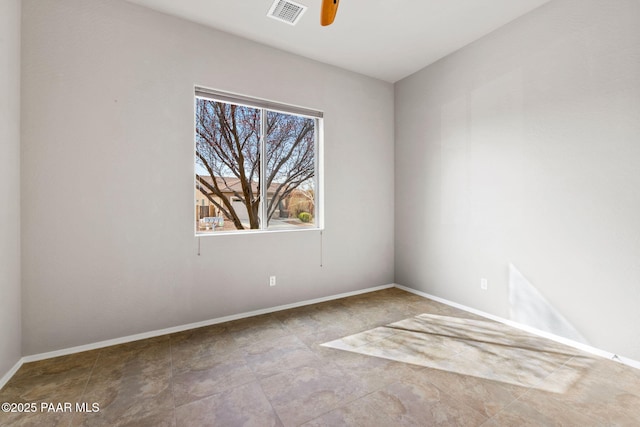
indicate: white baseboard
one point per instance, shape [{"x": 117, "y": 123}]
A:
[
  {"x": 5, "y": 379},
  {"x": 544, "y": 334},
  {"x": 173, "y": 330}
]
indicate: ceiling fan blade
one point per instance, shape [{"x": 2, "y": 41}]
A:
[{"x": 328, "y": 14}]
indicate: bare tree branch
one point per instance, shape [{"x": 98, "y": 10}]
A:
[{"x": 228, "y": 139}]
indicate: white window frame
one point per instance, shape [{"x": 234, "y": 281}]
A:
[{"x": 264, "y": 105}]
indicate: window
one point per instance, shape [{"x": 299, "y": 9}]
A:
[{"x": 256, "y": 165}]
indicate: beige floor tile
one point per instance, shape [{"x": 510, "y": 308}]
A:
[
  {"x": 35, "y": 389},
  {"x": 271, "y": 357},
  {"x": 405, "y": 346},
  {"x": 485, "y": 396},
  {"x": 416, "y": 402},
  {"x": 82, "y": 360},
  {"x": 515, "y": 366},
  {"x": 46, "y": 396},
  {"x": 304, "y": 393},
  {"x": 134, "y": 358},
  {"x": 360, "y": 413},
  {"x": 243, "y": 406},
  {"x": 59, "y": 369},
  {"x": 530, "y": 414},
  {"x": 160, "y": 418},
  {"x": 191, "y": 345},
  {"x": 302, "y": 319},
  {"x": 373, "y": 372},
  {"x": 127, "y": 398},
  {"x": 36, "y": 419},
  {"x": 247, "y": 332},
  {"x": 209, "y": 375},
  {"x": 605, "y": 400}
]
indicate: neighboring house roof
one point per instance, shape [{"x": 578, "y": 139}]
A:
[{"x": 234, "y": 185}]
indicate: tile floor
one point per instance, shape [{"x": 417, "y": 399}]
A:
[{"x": 342, "y": 362}]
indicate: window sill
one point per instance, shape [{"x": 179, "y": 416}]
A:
[{"x": 253, "y": 232}]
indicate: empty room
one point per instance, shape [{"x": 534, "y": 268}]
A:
[{"x": 320, "y": 213}]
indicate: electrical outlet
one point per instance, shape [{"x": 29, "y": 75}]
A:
[
  {"x": 484, "y": 284},
  {"x": 272, "y": 280}
]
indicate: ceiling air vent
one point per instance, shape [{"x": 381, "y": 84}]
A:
[{"x": 286, "y": 11}]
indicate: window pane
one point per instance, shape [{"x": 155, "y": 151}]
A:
[
  {"x": 227, "y": 166},
  {"x": 290, "y": 171}
]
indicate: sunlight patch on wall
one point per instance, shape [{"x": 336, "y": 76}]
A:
[{"x": 529, "y": 307}]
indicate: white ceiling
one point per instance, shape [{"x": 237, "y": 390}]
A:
[{"x": 386, "y": 39}]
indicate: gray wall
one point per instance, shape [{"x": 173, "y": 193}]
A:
[
  {"x": 10, "y": 337},
  {"x": 108, "y": 245},
  {"x": 524, "y": 148}
]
